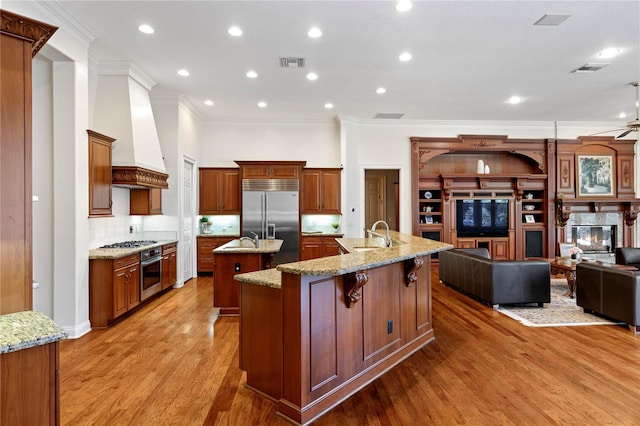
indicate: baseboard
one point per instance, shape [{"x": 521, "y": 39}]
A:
[{"x": 78, "y": 331}]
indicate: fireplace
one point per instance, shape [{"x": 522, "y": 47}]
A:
[{"x": 594, "y": 238}]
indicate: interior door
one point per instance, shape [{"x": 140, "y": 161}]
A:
[
  {"x": 374, "y": 200},
  {"x": 187, "y": 221}
]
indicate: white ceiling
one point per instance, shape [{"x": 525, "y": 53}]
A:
[{"x": 469, "y": 57}]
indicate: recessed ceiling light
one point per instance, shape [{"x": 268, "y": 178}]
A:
[
  {"x": 552, "y": 20},
  {"x": 328, "y": 105},
  {"x": 252, "y": 74},
  {"x": 208, "y": 102},
  {"x": 262, "y": 104},
  {"x": 381, "y": 90},
  {"x": 622, "y": 115},
  {"x": 147, "y": 29},
  {"x": 403, "y": 5},
  {"x": 183, "y": 73},
  {"x": 235, "y": 31},
  {"x": 515, "y": 100},
  {"x": 314, "y": 32},
  {"x": 405, "y": 56},
  {"x": 609, "y": 52},
  {"x": 312, "y": 76}
]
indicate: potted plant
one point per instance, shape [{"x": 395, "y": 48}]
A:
[{"x": 205, "y": 225}]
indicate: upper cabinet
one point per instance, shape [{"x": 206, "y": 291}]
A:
[
  {"x": 219, "y": 191},
  {"x": 145, "y": 201},
  {"x": 321, "y": 191},
  {"x": 270, "y": 169},
  {"x": 99, "y": 174}
]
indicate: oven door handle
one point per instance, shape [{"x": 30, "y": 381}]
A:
[{"x": 150, "y": 261}]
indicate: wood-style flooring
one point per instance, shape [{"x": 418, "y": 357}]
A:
[{"x": 169, "y": 364}]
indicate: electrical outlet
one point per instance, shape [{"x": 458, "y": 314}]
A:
[
  {"x": 131, "y": 229},
  {"x": 389, "y": 326}
]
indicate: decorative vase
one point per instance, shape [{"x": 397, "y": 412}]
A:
[
  {"x": 480, "y": 167},
  {"x": 487, "y": 170}
]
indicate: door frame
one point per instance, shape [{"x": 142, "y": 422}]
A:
[{"x": 193, "y": 213}]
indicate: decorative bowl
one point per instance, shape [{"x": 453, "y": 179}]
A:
[{"x": 529, "y": 207}]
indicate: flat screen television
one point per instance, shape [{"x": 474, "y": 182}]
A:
[{"x": 482, "y": 218}]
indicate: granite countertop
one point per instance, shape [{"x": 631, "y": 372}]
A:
[
  {"x": 362, "y": 253},
  {"x": 230, "y": 235},
  {"x": 23, "y": 330},
  {"x": 116, "y": 253},
  {"x": 237, "y": 246},
  {"x": 321, "y": 234},
  {"x": 266, "y": 277}
]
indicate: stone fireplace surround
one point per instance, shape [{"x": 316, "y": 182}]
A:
[{"x": 597, "y": 219}]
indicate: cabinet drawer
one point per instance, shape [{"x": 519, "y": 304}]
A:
[
  {"x": 125, "y": 261},
  {"x": 169, "y": 248}
]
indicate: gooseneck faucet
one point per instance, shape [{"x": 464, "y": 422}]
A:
[
  {"x": 387, "y": 238},
  {"x": 256, "y": 240}
]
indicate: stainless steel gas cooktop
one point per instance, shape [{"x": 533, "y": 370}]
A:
[{"x": 130, "y": 244}]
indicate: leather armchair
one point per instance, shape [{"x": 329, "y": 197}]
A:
[
  {"x": 609, "y": 291},
  {"x": 628, "y": 256},
  {"x": 495, "y": 282}
]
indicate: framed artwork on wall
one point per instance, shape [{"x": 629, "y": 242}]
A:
[{"x": 595, "y": 175}]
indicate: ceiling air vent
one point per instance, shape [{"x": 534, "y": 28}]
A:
[
  {"x": 590, "y": 68},
  {"x": 392, "y": 115},
  {"x": 291, "y": 62}
]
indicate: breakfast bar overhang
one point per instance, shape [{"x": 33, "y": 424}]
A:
[{"x": 313, "y": 333}]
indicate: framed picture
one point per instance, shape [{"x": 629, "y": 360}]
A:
[
  {"x": 564, "y": 249},
  {"x": 595, "y": 175},
  {"x": 428, "y": 219},
  {"x": 529, "y": 218}
]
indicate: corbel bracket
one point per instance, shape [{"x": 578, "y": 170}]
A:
[{"x": 352, "y": 283}]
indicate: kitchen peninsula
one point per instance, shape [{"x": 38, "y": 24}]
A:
[{"x": 312, "y": 333}]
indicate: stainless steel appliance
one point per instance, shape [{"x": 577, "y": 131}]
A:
[
  {"x": 150, "y": 272},
  {"x": 270, "y": 208}
]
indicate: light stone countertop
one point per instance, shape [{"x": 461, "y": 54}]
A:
[
  {"x": 27, "y": 329},
  {"x": 223, "y": 235},
  {"x": 405, "y": 247},
  {"x": 237, "y": 246},
  {"x": 116, "y": 253}
]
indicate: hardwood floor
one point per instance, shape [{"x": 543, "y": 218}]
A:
[{"x": 168, "y": 364}]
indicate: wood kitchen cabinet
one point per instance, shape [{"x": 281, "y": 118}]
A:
[
  {"x": 318, "y": 246},
  {"x": 205, "y": 246},
  {"x": 219, "y": 191},
  {"x": 321, "y": 191},
  {"x": 114, "y": 288},
  {"x": 271, "y": 169},
  {"x": 99, "y": 174},
  {"x": 169, "y": 265},
  {"x": 145, "y": 201}
]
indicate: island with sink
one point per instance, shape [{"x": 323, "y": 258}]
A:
[
  {"x": 241, "y": 255},
  {"x": 314, "y": 332}
]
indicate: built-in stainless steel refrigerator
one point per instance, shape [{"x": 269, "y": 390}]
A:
[{"x": 270, "y": 208}]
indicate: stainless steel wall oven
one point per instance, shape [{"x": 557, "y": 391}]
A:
[{"x": 150, "y": 272}]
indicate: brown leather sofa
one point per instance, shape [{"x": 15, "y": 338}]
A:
[
  {"x": 628, "y": 256},
  {"x": 609, "y": 291},
  {"x": 495, "y": 282}
]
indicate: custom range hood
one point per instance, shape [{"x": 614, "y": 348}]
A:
[{"x": 123, "y": 112}]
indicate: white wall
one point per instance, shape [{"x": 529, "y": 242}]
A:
[{"x": 316, "y": 142}]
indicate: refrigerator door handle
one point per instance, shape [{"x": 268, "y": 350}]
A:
[{"x": 271, "y": 231}]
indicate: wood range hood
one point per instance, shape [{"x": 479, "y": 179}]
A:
[
  {"x": 123, "y": 111},
  {"x": 138, "y": 177}
]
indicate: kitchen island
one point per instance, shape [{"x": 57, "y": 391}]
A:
[
  {"x": 312, "y": 333},
  {"x": 238, "y": 256}
]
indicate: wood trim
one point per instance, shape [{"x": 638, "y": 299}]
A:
[{"x": 38, "y": 33}]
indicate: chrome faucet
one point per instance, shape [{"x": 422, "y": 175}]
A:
[
  {"x": 248, "y": 239},
  {"x": 372, "y": 231},
  {"x": 256, "y": 240}
]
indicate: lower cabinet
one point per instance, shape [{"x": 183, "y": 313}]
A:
[
  {"x": 114, "y": 288},
  {"x": 318, "y": 246},
  {"x": 498, "y": 247},
  {"x": 205, "y": 251},
  {"x": 169, "y": 265},
  {"x": 29, "y": 386}
]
